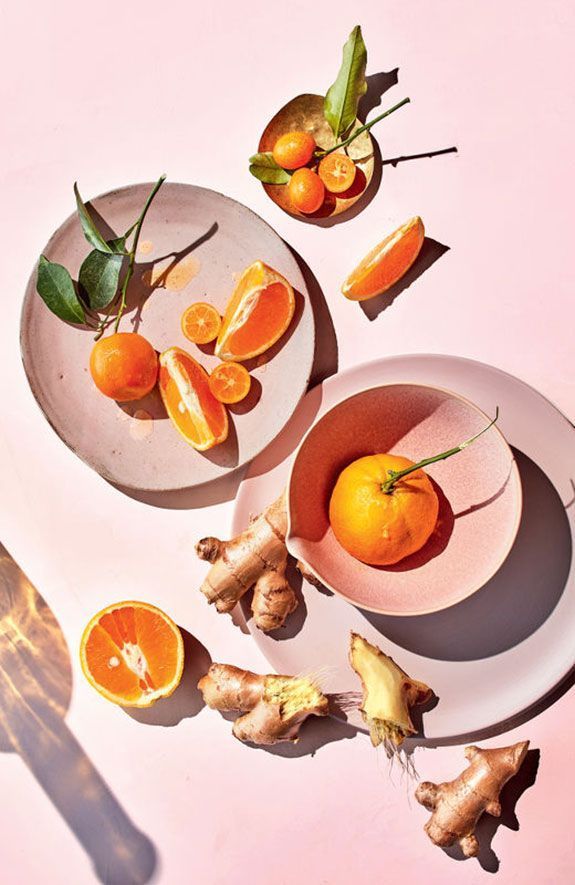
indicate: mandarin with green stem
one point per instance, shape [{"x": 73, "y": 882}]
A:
[
  {"x": 124, "y": 366},
  {"x": 294, "y": 149}
]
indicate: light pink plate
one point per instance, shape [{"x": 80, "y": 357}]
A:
[
  {"x": 208, "y": 240},
  {"x": 494, "y": 655},
  {"x": 479, "y": 494}
]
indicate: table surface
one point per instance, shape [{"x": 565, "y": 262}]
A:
[{"x": 118, "y": 94}]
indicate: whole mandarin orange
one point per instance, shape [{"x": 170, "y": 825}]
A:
[
  {"x": 306, "y": 190},
  {"x": 378, "y": 527},
  {"x": 294, "y": 149},
  {"x": 124, "y": 366}
]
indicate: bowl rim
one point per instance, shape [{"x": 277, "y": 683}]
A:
[{"x": 514, "y": 473}]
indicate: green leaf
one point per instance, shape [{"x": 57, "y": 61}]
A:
[
  {"x": 342, "y": 98},
  {"x": 56, "y": 289},
  {"x": 264, "y": 168},
  {"x": 91, "y": 232},
  {"x": 118, "y": 245},
  {"x": 99, "y": 276}
]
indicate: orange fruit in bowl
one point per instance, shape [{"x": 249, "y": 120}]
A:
[
  {"x": 195, "y": 412},
  {"x": 337, "y": 171},
  {"x": 201, "y": 323},
  {"x": 306, "y": 191},
  {"x": 294, "y": 149},
  {"x": 379, "y": 527},
  {"x": 386, "y": 263},
  {"x": 258, "y": 313},
  {"x": 230, "y": 382},
  {"x": 132, "y": 653},
  {"x": 124, "y": 366}
]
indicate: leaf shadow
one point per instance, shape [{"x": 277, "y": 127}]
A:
[{"x": 377, "y": 86}]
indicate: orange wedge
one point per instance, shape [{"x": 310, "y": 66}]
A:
[
  {"x": 387, "y": 263},
  {"x": 132, "y": 653},
  {"x": 194, "y": 410},
  {"x": 257, "y": 315}
]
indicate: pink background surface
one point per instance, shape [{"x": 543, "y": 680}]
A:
[{"x": 118, "y": 94}]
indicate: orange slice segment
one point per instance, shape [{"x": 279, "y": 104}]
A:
[
  {"x": 337, "y": 171},
  {"x": 387, "y": 263},
  {"x": 194, "y": 410},
  {"x": 132, "y": 653},
  {"x": 230, "y": 382},
  {"x": 257, "y": 315},
  {"x": 201, "y": 323}
]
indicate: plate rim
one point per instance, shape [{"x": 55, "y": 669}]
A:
[
  {"x": 528, "y": 708},
  {"x": 30, "y": 291}
]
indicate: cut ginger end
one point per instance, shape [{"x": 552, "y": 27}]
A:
[
  {"x": 193, "y": 409},
  {"x": 258, "y": 313},
  {"x": 386, "y": 263},
  {"x": 388, "y": 693},
  {"x": 132, "y": 653}
]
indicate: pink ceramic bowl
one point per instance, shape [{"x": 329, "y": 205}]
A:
[{"x": 479, "y": 492}]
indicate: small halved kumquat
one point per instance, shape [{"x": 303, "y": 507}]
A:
[
  {"x": 132, "y": 653},
  {"x": 386, "y": 263},
  {"x": 201, "y": 323},
  {"x": 230, "y": 382},
  {"x": 294, "y": 149},
  {"x": 195, "y": 412},
  {"x": 306, "y": 191},
  {"x": 337, "y": 171}
]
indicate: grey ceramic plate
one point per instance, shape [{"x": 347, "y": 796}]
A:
[{"x": 209, "y": 239}]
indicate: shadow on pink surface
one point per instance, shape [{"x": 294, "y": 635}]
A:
[{"x": 35, "y": 690}]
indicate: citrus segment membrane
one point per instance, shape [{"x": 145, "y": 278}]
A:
[
  {"x": 132, "y": 653},
  {"x": 192, "y": 407}
]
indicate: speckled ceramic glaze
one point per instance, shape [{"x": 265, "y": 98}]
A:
[
  {"x": 208, "y": 239},
  {"x": 479, "y": 497},
  {"x": 512, "y": 640}
]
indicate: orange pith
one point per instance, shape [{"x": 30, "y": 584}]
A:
[
  {"x": 294, "y": 149},
  {"x": 386, "y": 263},
  {"x": 192, "y": 407},
  {"x": 306, "y": 191},
  {"x": 201, "y": 323},
  {"x": 258, "y": 313},
  {"x": 230, "y": 382},
  {"x": 337, "y": 171},
  {"x": 124, "y": 366},
  {"x": 379, "y": 528},
  {"x": 132, "y": 653}
]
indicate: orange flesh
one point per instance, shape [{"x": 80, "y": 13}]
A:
[
  {"x": 230, "y": 382},
  {"x": 150, "y": 642},
  {"x": 213, "y": 411},
  {"x": 337, "y": 171},
  {"x": 201, "y": 323},
  {"x": 387, "y": 263},
  {"x": 271, "y": 312}
]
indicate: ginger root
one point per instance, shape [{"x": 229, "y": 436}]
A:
[
  {"x": 256, "y": 558},
  {"x": 388, "y": 694},
  {"x": 274, "y": 707},
  {"x": 457, "y": 805}
]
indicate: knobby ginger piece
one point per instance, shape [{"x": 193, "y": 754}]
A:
[
  {"x": 274, "y": 707},
  {"x": 388, "y": 693},
  {"x": 256, "y": 558},
  {"x": 457, "y": 805}
]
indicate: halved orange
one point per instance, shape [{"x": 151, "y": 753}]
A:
[
  {"x": 337, "y": 171},
  {"x": 132, "y": 653},
  {"x": 201, "y": 322},
  {"x": 230, "y": 382},
  {"x": 258, "y": 313},
  {"x": 186, "y": 394},
  {"x": 387, "y": 263}
]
